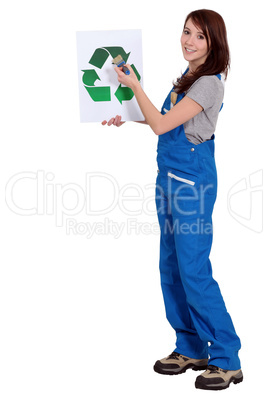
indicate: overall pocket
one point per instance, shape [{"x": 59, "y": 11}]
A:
[
  {"x": 181, "y": 179},
  {"x": 183, "y": 191}
]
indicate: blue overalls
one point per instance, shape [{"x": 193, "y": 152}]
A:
[{"x": 186, "y": 189}]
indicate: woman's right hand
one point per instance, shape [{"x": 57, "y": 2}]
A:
[{"x": 116, "y": 121}]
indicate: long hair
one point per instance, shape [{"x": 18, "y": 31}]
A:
[{"x": 218, "y": 60}]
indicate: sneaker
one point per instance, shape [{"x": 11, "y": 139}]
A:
[
  {"x": 178, "y": 364},
  {"x": 216, "y": 378}
]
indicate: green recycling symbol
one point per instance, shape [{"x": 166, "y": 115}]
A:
[{"x": 103, "y": 94}]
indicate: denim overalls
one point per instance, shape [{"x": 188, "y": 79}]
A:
[{"x": 186, "y": 190}]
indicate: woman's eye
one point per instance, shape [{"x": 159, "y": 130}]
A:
[
  {"x": 186, "y": 32},
  {"x": 201, "y": 37}
]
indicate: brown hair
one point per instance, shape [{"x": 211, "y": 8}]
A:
[{"x": 218, "y": 60}]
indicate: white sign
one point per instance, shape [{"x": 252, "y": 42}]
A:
[{"x": 101, "y": 95}]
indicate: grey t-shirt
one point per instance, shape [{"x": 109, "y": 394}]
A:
[{"x": 208, "y": 92}]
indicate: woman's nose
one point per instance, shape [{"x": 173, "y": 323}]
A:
[{"x": 189, "y": 40}]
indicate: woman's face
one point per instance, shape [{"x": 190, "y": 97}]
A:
[{"x": 194, "y": 45}]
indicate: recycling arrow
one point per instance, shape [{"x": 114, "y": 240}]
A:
[
  {"x": 103, "y": 94},
  {"x": 136, "y": 71},
  {"x": 98, "y": 94},
  {"x": 124, "y": 93},
  {"x": 101, "y": 55},
  {"x": 89, "y": 77}
]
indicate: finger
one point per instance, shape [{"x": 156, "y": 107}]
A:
[
  {"x": 118, "y": 69},
  {"x": 130, "y": 68},
  {"x": 110, "y": 122},
  {"x": 104, "y": 122},
  {"x": 117, "y": 120}
]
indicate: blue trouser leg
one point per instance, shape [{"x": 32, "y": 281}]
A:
[
  {"x": 193, "y": 301},
  {"x": 176, "y": 306}
]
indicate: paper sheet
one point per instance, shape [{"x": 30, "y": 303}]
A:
[{"x": 101, "y": 95}]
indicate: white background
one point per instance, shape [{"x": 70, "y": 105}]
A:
[{"x": 83, "y": 319}]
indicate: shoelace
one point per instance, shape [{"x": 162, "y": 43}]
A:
[
  {"x": 215, "y": 369},
  {"x": 174, "y": 355}
]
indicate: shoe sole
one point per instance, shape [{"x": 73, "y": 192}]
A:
[
  {"x": 179, "y": 370},
  {"x": 219, "y": 387}
]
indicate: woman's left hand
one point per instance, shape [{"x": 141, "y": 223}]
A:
[{"x": 130, "y": 80}]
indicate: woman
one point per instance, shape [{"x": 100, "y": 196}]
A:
[{"x": 186, "y": 190}]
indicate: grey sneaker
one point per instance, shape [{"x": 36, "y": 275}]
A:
[
  {"x": 215, "y": 378},
  {"x": 178, "y": 364}
]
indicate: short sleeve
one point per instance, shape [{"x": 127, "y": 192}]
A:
[{"x": 206, "y": 91}]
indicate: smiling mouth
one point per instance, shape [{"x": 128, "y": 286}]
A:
[{"x": 189, "y": 50}]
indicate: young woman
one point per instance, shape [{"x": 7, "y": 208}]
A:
[{"x": 186, "y": 190}]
